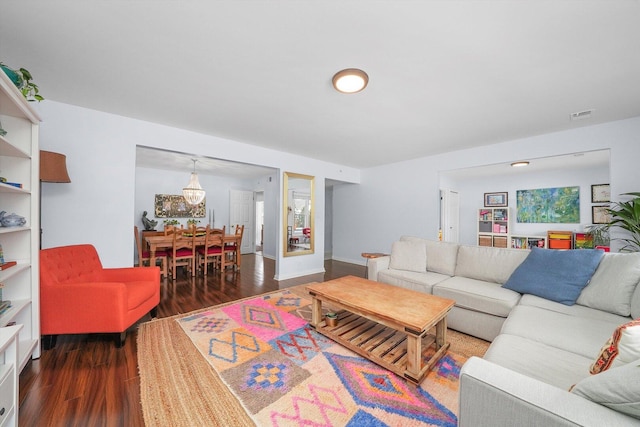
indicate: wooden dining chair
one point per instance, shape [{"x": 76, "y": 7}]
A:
[
  {"x": 212, "y": 251},
  {"x": 232, "y": 249},
  {"x": 183, "y": 251},
  {"x": 144, "y": 256}
]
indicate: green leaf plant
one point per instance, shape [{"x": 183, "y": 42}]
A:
[
  {"x": 22, "y": 78},
  {"x": 626, "y": 215}
]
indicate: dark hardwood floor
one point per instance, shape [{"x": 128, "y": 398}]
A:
[{"x": 86, "y": 381}]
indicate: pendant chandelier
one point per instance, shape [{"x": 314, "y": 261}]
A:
[{"x": 193, "y": 193}]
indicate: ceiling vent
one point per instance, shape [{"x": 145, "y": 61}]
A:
[{"x": 581, "y": 115}]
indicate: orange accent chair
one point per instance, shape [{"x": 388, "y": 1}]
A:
[{"x": 79, "y": 296}]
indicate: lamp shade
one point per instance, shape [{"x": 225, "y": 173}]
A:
[
  {"x": 53, "y": 167},
  {"x": 193, "y": 193}
]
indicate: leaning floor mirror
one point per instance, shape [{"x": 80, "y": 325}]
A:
[{"x": 298, "y": 214}]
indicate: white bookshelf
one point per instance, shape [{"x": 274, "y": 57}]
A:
[{"x": 20, "y": 162}]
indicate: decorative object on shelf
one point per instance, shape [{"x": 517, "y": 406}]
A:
[
  {"x": 53, "y": 167},
  {"x": 496, "y": 199},
  {"x": 22, "y": 78},
  {"x": 193, "y": 193},
  {"x": 549, "y": 205},
  {"x": 12, "y": 220},
  {"x": 175, "y": 206},
  {"x": 2, "y": 131},
  {"x": 193, "y": 221},
  {"x": 600, "y": 193},
  {"x": 170, "y": 222},
  {"x": 600, "y": 214},
  {"x": 149, "y": 224}
]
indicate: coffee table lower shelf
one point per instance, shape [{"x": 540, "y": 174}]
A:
[{"x": 382, "y": 345}]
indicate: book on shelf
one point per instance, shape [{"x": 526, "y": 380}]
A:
[
  {"x": 4, "y": 306},
  {"x": 14, "y": 184},
  {"x": 8, "y": 264}
]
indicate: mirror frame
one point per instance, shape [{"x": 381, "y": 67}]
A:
[{"x": 285, "y": 214}]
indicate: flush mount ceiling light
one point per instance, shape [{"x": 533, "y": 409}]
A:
[
  {"x": 193, "y": 193},
  {"x": 351, "y": 80},
  {"x": 519, "y": 164}
]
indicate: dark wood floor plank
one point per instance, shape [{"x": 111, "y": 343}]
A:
[{"x": 86, "y": 381}]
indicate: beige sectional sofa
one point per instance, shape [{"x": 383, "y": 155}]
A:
[{"x": 539, "y": 348}]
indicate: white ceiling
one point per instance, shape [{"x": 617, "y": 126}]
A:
[{"x": 444, "y": 75}]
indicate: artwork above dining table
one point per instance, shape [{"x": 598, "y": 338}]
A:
[{"x": 175, "y": 206}]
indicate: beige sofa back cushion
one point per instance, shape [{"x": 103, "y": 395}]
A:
[
  {"x": 410, "y": 256},
  {"x": 488, "y": 264},
  {"x": 441, "y": 256},
  {"x": 613, "y": 283}
]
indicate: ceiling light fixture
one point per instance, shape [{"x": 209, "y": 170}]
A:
[
  {"x": 193, "y": 193},
  {"x": 519, "y": 164},
  {"x": 351, "y": 80}
]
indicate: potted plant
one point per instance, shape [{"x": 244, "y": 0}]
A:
[
  {"x": 331, "y": 319},
  {"x": 22, "y": 78},
  {"x": 626, "y": 215}
]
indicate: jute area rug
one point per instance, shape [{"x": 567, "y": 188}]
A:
[{"x": 256, "y": 362}]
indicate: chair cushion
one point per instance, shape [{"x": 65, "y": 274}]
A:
[
  {"x": 183, "y": 253},
  {"x": 137, "y": 293},
  {"x": 556, "y": 275}
]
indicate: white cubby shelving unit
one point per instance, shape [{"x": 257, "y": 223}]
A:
[{"x": 20, "y": 163}]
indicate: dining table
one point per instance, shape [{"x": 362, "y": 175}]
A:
[{"x": 160, "y": 242}]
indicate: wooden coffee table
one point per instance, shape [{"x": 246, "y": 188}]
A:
[{"x": 386, "y": 324}]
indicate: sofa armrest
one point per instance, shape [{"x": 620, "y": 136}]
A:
[
  {"x": 131, "y": 274},
  {"x": 491, "y": 395},
  {"x": 374, "y": 265}
]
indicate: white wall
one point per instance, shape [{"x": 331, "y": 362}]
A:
[
  {"x": 403, "y": 198},
  {"x": 98, "y": 205}
]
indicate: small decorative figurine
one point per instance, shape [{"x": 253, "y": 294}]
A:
[{"x": 149, "y": 224}]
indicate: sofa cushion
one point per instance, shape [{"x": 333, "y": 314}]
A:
[
  {"x": 574, "y": 310},
  {"x": 441, "y": 256},
  {"x": 488, "y": 264},
  {"x": 618, "y": 388},
  {"x": 613, "y": 283},
  {"x": 477, "y": 295},
  {"x": 538, "y": 360},
  {"x": 410, "y": 256},
  {"x": 421, "y": 282},
  {"x": 622, "y": 348},
  {"x": 578, "y": 335},
  {"x": 556, "y": 275}
]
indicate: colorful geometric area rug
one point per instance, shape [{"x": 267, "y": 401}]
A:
[{"x": 284, "y": 373}]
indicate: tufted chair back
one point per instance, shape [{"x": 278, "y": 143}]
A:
[{"x": 69, "y": 264}]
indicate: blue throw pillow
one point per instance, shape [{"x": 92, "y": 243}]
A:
[{"x": 555, "y": 275}]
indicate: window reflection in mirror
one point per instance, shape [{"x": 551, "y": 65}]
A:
[{"x": 298, "y": 214}]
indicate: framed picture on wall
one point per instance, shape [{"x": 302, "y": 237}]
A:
[
  {"x": 600, "y": 193},
  {"x": 600, "y": 214},
  {"x": 492, "y": 200}
]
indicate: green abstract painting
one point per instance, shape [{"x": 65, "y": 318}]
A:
[{"x": 549, "y": 205}]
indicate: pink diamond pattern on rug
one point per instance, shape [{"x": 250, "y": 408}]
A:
[
  {"x": 263, "y": 319},
  {"x": 325, "y": 402}
]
